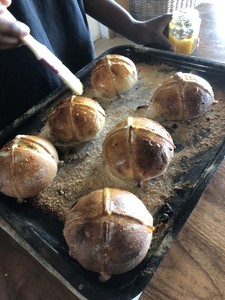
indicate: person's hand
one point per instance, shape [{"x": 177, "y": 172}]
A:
[
  {"x": 6, "y": 3},
  {"x": 154, "y": 33},
  {"x": 11, "y": 31}
]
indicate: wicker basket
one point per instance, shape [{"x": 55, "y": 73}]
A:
[{"x": 147, "y": 9}]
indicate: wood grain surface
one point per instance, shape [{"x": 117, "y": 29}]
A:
[
  {"x": 23, "y": 278},
  {"x": 194, "y": 267}
]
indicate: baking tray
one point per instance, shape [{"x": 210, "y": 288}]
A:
[{"x": 204, "y": 137}]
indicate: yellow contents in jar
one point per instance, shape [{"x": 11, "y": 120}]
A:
[
  {"x": 184, "y": 30},
  {"x": 186, "y": 45}
]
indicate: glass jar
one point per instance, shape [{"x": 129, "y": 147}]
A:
[{"x": 184, "y": 30}]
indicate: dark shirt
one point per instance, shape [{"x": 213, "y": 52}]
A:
[{"x": 60, "y": 25}]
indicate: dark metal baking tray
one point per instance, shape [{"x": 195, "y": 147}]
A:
[{"x": 43, "y": 231}]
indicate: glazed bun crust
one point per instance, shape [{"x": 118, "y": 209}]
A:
[
  {"x": 28, "y": 164},
  {"x": 113, "y": 75},
  {"x": 109, "y": 231},
  {"x": 138, "y": 149},
  {"x": 182, "y": 96},
  {"x": 77, "y": 119}
]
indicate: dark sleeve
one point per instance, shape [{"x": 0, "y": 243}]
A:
[{"x": 61, "y": 26}]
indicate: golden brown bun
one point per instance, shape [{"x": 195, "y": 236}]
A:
[
  {"x": 113, "y": 75},
  {"x": 28, "y": 165},
  {"x": 138, "y": 148},
  {"x": 183, "y": 96},
  {"x": 109, "y": 231},
  {"x": 77, "y": 119}
]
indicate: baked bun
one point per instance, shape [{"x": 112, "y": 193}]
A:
[
  {"x": 138, "y": 149},
  {"x": 76, "y": 120},
  {"x": 182, "y": 96},
  {"x": 28, "y": 165},
  {"x": 109, "y": 231},
  {"x": 113, "y": 75}
]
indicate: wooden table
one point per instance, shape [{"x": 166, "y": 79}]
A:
[{"x": 194, "y": 267}]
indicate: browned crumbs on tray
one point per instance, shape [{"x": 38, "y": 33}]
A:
[{"x": 84, "y": 171}]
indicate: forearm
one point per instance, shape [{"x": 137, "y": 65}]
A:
[{"x": 112, "y": 15}]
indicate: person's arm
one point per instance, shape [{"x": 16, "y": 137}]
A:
[
  {"x": 10, "y": 31},
  {"x": 115, "y": 17}
]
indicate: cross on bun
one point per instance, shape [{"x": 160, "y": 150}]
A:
[
  {"x": 113, "y": 75},
  {"x": 76, "y": 120},
  {"x": 138, "y": 149},
  {"x": 108, "y": 231},
  {"x": 28, "y": 164},
  {"x": 182, "y": 96}
]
